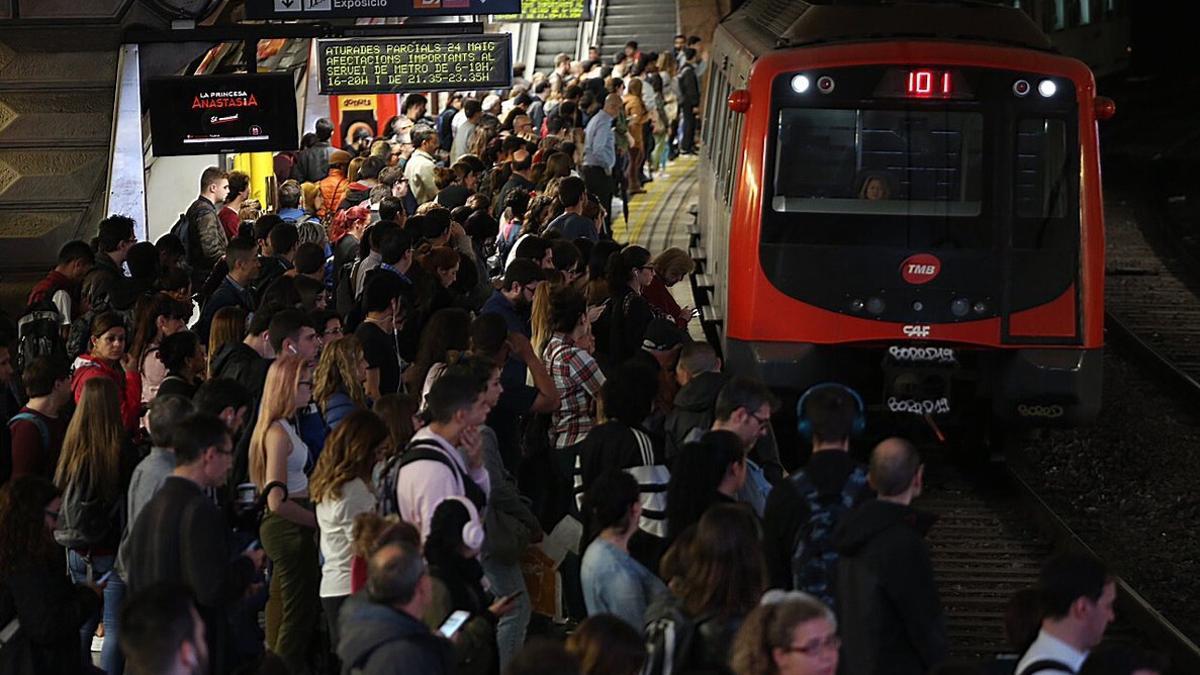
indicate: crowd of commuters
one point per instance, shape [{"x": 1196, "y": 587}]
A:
[{"x": 425, "y": 358}]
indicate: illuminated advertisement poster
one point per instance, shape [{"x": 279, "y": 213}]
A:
[
  {"x": 387, "y": 65},
  {"x": 222, "y": 113}
]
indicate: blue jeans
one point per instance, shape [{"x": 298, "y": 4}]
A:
[
  {"x": 111, "y": 659},
  {"x": 510, "y": 630}
]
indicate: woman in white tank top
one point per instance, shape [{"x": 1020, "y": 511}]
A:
[{"x": 288, "y": 531}]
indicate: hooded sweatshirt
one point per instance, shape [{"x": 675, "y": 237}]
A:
[
  {"x": 891, "y": 617},
  {"x": 377, "y": 640},
  {"x": 129, "y": 385}
]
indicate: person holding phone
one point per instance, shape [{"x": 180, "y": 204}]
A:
[{"x": 452, "y": 549}]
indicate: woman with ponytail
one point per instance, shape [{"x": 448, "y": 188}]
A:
[{"x": 613, "y": 582}]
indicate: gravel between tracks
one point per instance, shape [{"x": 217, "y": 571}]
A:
[{"x": 1128, "y": 487}]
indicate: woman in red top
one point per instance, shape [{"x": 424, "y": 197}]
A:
[
  {"x": 107, "y": 357},
  {"x": 670, "y": 267}
]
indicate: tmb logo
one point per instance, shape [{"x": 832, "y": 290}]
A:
[{"x": 920, "y": 268}]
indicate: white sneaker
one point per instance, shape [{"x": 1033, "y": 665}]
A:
[
  {"x": 662, "y": 174},
  {"x": 97, "y": 643}
]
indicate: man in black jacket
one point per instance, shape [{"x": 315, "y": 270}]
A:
[
  {"x": 206, "y": 235},
  {"x": 181, "y": 536},
  {"x": 313, "y": 164},
  {"x": 701, "y": 380},
  {"x": 888, "y": 606},
  {"x": 381, "y": 629},
  {"x": 234, "y": 291},
  {"x": 689, "y": 102}
]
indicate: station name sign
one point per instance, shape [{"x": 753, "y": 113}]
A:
[
  {"x": 337, "y": 9},
  {"x": 394, "y": 64},
  {"x": 549, "y": 10}
]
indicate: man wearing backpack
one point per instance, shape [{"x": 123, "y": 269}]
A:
[
  {"x": 37, "y": 430},
  {"x": 890, "y": 615},
  {"x": 1077, "y": 596},
  {"x": 803, "y": 510},
  {"x": 206, "y": 236},
  {"x": 61, "y": 285},
  {"x": 433, "y": 468}
]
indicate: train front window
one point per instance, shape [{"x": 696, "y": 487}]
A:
[{"x": 923, "y": 163}]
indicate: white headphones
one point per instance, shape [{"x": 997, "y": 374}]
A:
[{"x": 472, "y": 532}]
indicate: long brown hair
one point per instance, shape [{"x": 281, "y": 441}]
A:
[
  {"x": 348, "y": 454},
  {"x": 397, "y": 411},
  {"x": 91, "y": 450},
  {"x": 25, "y": 537},
  {"x": 228, "y": 327},
  {"x": 725, "y": 571},
  {"x": 606, "y": 645},
  {"x": 338, "y": 370},
  {"x": 278, "y": 403}
]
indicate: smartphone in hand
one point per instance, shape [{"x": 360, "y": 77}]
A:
[{"x": 453, "y": 623}]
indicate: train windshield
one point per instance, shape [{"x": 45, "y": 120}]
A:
[{"x": 925, "y": 163}]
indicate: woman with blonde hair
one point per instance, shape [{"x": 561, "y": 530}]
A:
[
  {"x": 313, "y": 202},
  {"x": 277, "y": 459},
  {"x": 789, "y": 633},
  {"x": 338, "y": 385},
  {"x": 341, "y": 489},
  {"x": 94, "y": 468},
  {"x": 228, "y": 327},
  {"x": 539, "y": 312}
]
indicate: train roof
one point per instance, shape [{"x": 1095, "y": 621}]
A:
[{"x": 764, "y": 25}]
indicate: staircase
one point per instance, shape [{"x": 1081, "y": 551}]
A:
[
  {"x": 56, "y": 109},
  {"x": 552, "y": 39},
  {"x": 652, "y": 23},
  {"x": 58, "y": 70}
]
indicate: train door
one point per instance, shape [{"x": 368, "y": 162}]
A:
[{"x": 1040, "y": 301}]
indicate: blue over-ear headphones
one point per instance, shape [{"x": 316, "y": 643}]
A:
[{"x": 804, "y": 425}]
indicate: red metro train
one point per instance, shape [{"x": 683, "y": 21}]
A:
[{"x": 905, "y": 197}]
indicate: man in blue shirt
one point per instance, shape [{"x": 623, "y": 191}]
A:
[
  {"x": 572, "y": 224},
  {"x": 600, "y": 152},
  {"x": 514, "y": 298}
]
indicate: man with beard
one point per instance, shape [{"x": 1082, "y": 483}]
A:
[{"x": 515, "y": 297}]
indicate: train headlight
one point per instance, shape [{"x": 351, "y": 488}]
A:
[
  {"x": 979, "y": 307},
  {"x": 856, "y": 305},
  {"x": 800, "y": 84},
  {"x": 876, "y": 306},
  {"x": 1021, "y": 88},
  {"x": 1047, "y": 88},
  {"x": 959, "y": 307},
  {"x": 825, "y": 84}
]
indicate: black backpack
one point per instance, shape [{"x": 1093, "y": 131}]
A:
[
  {"x": 39, "y": 333},
  {"x": 814, "y": 560},
  {"x": 85, "y": 520},
  {"x": 344, "y": 300},
  {"x": 182, "y": 229},
  {"x": 421, "y": 450},
  {"x": 670, "y": 635}
]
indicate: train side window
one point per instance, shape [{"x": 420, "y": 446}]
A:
[
  {"x": 735, "y": 136},
  {"x": 1043, "y": 185}
]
